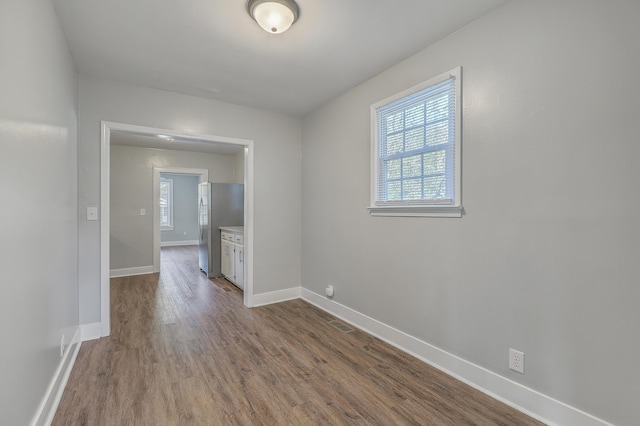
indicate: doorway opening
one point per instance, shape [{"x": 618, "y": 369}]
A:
[
  {"x": 203, "y": 175},
  {"x": 176, "y": 140}
]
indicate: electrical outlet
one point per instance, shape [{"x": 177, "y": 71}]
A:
[
  {"x": 329, "y": 291},
  {"x": 516, "y": 360},
  {"x": 62, "y": 346}
]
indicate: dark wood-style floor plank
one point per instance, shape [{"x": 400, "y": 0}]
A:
[{"x": 185, "y": 351}]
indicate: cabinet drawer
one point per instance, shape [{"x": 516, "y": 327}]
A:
[
  {"x": 227, "y": 236},
  {"x": 238, "y": 238}
]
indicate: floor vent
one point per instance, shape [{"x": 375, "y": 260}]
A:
[
  {"x": 340, "y": 326},
  {"x": 226, "y": 289}
]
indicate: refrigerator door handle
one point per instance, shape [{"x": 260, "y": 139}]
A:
[{"x": 200, "y": 220}]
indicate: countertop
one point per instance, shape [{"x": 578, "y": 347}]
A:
[{"x": 236, "y": 229}]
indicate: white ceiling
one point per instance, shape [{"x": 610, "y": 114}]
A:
[
  {"x": 144, "y": 140},
  {"x": 213, "y": 49}
]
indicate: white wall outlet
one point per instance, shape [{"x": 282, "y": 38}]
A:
[
  {"x": 143, "y": 212},
  {"x": 329, "y": 291},
  {"x": 516, "y": 361},
  {"x": 62, "y": 346}
]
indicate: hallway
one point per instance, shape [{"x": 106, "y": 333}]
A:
[{"x": 184, "y": 350}]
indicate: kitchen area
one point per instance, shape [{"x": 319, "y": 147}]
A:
[{"x": 221, "y": 241}]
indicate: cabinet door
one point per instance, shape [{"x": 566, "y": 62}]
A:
[
  {"x": 226, "y": 262},
  {"x": 223, "y": 257},
  {"x": 239, "y": 266}
]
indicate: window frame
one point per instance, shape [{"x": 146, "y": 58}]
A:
[
  {"x": 419, "y": 208},
  {"x": 169, "y": 227}
]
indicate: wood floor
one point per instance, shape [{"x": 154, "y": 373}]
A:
[{"x": 185, "y": 351}]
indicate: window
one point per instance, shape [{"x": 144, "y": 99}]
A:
[
  {"x": 166, "y": 204},
  {"x": 416, "y": 156}
]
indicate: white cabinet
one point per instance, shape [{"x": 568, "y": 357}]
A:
[
  {"x": 232, "y": 252},
  {"x": 239, "y": 266},
  {"x": 226, "y": 262}
]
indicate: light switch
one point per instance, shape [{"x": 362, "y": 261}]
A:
[
  {"x": 143, "y": 212},
  {"x": 92, "y": 213}
]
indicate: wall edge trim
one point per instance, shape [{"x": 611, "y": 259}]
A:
[
  {"x": 90, "y": 331},
  {"x": 49, "y": 404},
  {"x": 179, "y": 243},
  {"x": 128, "y": 272},
  {"x": 526, "y": 400},
  {"x": 277, "y": 296}
]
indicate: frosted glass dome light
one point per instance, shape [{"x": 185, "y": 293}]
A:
[{"x": 274, "y": 16}]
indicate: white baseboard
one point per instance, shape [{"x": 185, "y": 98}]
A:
[
  {"x": 179, "y": 243},
  {"x": 90, "y": 331},
  {"x": 127, "y": 272},
  {"x": 533, "y": 403},
  {"x": 276, "y": 296},
  {"x": 49, "y": 404}
]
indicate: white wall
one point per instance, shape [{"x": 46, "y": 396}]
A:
[
  {"x": 238, "y": 167},
  {"x": 277, "y": 173},
  {"x": 546, "y": 258},
  {"x": 38, "y": 172},
  {"x": 131, "y": 243}
]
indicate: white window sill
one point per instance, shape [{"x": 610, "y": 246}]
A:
[
  {"x": 417, "y": 211},
  {"x": 167, "y": 228}
]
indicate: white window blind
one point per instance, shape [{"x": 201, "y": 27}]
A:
[
  {"x": 166, "y": 203},
  {"x": 416, "y": 144}
]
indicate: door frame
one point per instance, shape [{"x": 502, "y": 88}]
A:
[{"x": 105, "y": 164}]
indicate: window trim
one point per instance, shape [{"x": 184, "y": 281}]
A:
[
  {"x": 170, "y": 227},
  {"x": 419, "y": 208}
]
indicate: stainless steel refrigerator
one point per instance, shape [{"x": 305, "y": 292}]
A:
[{"x": 219, "y": 204}]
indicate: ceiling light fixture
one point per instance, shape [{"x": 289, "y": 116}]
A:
[{"x": 274, "y": 16}]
